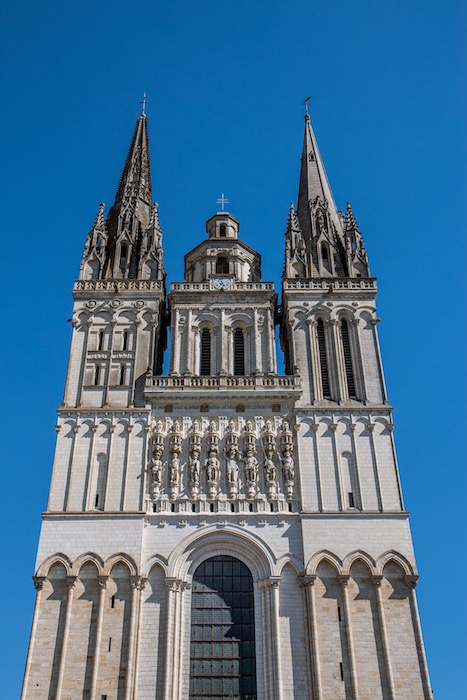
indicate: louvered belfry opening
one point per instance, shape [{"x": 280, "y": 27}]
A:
[
  {"x": 323, "y": 360},
  {"x": 239, "y": 352},
  {"x": 205, "y": 368},
  {"x": 348, "y": 359}
]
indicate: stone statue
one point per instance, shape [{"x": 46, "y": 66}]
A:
[
  {"x": 212, "y": 466},
  {"x": 251, "y": 465},
  {"x": 194, "y": 467},
  {"x": 156, "y": 467},
  {"x": 288, "y": 465},
  {"x": 232, "y": 465}
]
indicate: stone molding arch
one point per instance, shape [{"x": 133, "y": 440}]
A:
[
  {"x": 326, "y": 556},
  {"x": 291, "y": 559},
  {"x": 87, "y": 557},
  {"x": 155, "y": 560},
  {"x": 397, "y": 558},
  {"x": 120, "y": 558},
  {"x": 58, "y": 558},
  {"x": 206, "y": 319},
  {"x": 358, "y": 555},
  {"x": 232, "y": 541},
  {"x": 238, "y": 319}
]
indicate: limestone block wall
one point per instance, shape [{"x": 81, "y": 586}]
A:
[
  {"x": 347, "y": 461},
  {"x": 100, "y": 461}
]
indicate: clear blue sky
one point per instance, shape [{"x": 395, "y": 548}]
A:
[{"x": 225, "y": 83}]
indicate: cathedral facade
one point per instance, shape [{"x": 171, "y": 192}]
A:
[{"x": 225, "y": 531}]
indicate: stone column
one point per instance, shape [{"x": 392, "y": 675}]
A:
[
  {"x": 173, "y": 588},
  {"x": 102, "y": 580},
  {"x": 344, "y": 580},
  {"x": 308, "y": 583},
  {"x": 411, "y": 582},
  {"x": 384, "y": 637},
  {"x": 341, "y": 377},
  {"x": 357, "y": 360},
  {"x": 71, "y": 582},
  {"x": 266, "y": 637},
  {"x": 359, "y": 496},
  {"x": 70, "y": 467},
  {"x": 314, "y": 361},
  {"x": 38, "y": 585},
  {"x": 87, "y": 495},
  {"x": 176, "y": 344},
  {"x": 133, "y": 369},
  {"x": 135, "y": 595},
  {"x": 196, "y": 350},
  {"x": 256, "y": 354},
  {"x": 273, "y": 584},
  {"x": 143, "y": 581},
  {"x": 337, "y": 472},
  {"x": 370, "y": 427}
]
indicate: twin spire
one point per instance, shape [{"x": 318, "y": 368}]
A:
[{"x": 320, "y": 240}]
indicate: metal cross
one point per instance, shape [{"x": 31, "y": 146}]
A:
[
  {"x": 143, "y": 102},
  {"x": 222, "y": 200},
  {"x": 305, "y": 102}
]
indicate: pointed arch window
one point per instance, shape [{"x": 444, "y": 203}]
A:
[
  {"x": 239, "y": 352},
  {"x": 349, "y": 373},
  {"x": 325, "y": 257},
  {"x": 323, "y": 359},
  {"x": 125, "y": 340},
  {"x": 205, "y": 362},
  {"x": 222, "y": 265},
  {"x": 123, "y": 256},
  {"x": 222, "y": 649}
]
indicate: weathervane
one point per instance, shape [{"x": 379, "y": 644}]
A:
[
  {"x": 143, "y": 102},
  {"x": 305, "y": 102},
  {"x": 222, "y": 200}
]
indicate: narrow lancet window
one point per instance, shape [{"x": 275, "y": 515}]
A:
[
  {"x": 222, "y": 232},
  {"x": 205, "y": 364},
  {"x": 125, "y": 340},
  {"x": 349, "y": 374},
  {"x": 123, "y": 257},
  {"x": 239, "y": 352},
  {"x": 100, "y": 340},
  {"x": 222, "y": 265},
  {"x": 222, "y": 656},
  {"x": 122, "y": 375},
  {"x": 323, "y": 360},
  {"x": 325, "y": 257},
  {"x": 97, "y": 372}
]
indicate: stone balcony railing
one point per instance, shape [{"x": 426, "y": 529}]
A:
[
  {"x": 208, "y": 286},
  {"x": 118, "y": 285},
  {"x": 333, "y": 284},
  {"x": 266, "y": 384}
]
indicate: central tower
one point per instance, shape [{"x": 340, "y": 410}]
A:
[{"x": 224, "y": 531}]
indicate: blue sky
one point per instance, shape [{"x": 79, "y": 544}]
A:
[{"x": 225, "y": 82}]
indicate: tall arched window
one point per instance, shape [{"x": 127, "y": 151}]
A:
[
  {"x": 323, "y": 360},
  {"x": 239, "y": 352},
  {"x": 325, "y": 257},
  {"x": 205, "y": 363},
  {"x": 123, "y": 256},
  {"x": 222, "y": 265},
  {"x": 222, "y": 650},
  {"x": 348, "y": 359}
]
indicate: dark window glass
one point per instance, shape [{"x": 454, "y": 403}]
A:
[
  {"x": 323, "y": 359},
  {"x": 222, "y": 265},
  {"x": 348, "y": 359},
  {"x": 239, "y": 352},
  {"x": 205, "y": 368},
  {"x": 222, "y": 648},
  {"x": 101, "y": 341},
  {"x": 125, "y": 340},
  {"x": 123, "y": 256},
  {"x": 222, "y": 231}
]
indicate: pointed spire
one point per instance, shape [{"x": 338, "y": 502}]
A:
[
  {"x": 313, "y": 180},
  {"x": 357, "y": 258},
  {"x": 350, "y": 220},
  {"x": 95, "y": 247},
  {"x": 295, "y": 249},
  {"x": 99, "y": 223},
  {"x": 135, "y": 181}
]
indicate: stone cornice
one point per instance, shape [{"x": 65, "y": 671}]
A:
[{"x": 82, "y": 287}]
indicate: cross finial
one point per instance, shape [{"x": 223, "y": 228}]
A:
[
  {"x": 143, "y": 102},
  {"x": 222, "y": 200},
  {"x": 305, "y": 102}
]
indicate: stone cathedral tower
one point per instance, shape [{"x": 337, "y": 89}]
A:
[{"x": 225, "y": 531}]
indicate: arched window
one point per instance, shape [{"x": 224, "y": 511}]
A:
[
  {"x": 122, "y": 375},
  {"x": 205, "y": 364},
  {"x": 239, "y": 352},
  {"x": 222, "y": 656},
  {"x": 323, "y": 359},
  {"x": 222, "y": 232},
  {"x": 349, "y": 375},
  {"x": 325, "y": 257},
  {"x": 101, "y": 478},
  {"x": 222, "y": 265},
  {"x": 123, "y": 256}
]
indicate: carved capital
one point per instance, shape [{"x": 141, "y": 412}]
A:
[
  {"x": 411, "y": 581},
  {"x": 71, "y": 582},
  {"x": 102, "y": 581},
  {"x": 344, "y": 580},
  {"x": 377, "y": 580},
  {"x": 138, "y": 582},
  {"x": 173, "y": 584},
  {"x": 307, "y": 581},
  {"x": 273, "y": 582},
  {"x": 38, "y": 582}
]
